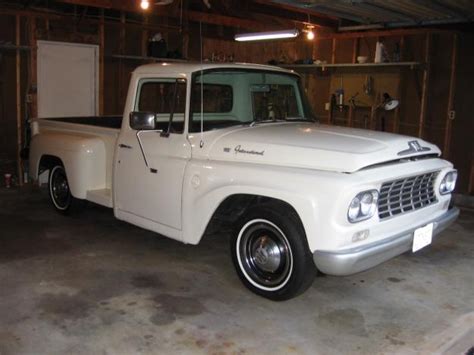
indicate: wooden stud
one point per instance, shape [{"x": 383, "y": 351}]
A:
[
  {"x": 396, "y": 115},
  {"x": 47, "y": 28},
  {"x": 452, "y": 84},
  {"x": 145, "y": 35},
  {"x": 355, "y": 49},
  {"x": 333, "y": 51},
  {"x": 185, "y": 28},
  {"x": 355, "y": 53},
  {"x": 333, "y": 60},
  {"x": 18, "y": 102},
  {"x": 424, "y": 92},
  {"x": 101, "y": 62},
  {"x": 33, "y": 68},
  {"x": 373, "y": 116},
  {"x": 470, "y": 189},
  {"x": 121, "y": 52}
]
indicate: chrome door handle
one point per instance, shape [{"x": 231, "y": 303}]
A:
[{"x": 125, "y": 146}]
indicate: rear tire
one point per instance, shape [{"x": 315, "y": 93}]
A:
[
  {"x": 271, "y": 254},
  {"x": 59, "y": 192}
]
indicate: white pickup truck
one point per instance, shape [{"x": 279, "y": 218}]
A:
[{"x": 200, "y": 143}]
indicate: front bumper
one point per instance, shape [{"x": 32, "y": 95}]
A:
[{"x": 351, "y": 261}]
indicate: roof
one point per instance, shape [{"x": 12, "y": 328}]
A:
[
  {"x": 390, "y": 13},
  {"x": 188, "y": 68}
]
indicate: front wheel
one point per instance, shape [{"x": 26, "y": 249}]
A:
[
  {"x": 271, "y": 253},
  {"x": 59, "y": 191}
]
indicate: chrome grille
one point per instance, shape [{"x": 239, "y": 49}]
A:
[{"x": 405, "y": 195}]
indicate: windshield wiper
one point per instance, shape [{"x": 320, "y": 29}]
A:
[
  {"x": 253, "y": 123},
  {"x": 299, "y": 119}
]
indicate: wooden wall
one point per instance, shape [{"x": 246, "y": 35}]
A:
[
  {"x": 422, "y": 113},
  {"x": 426, "y": 92}
]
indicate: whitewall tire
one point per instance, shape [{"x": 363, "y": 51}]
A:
[{"x": 271, "y": 254}]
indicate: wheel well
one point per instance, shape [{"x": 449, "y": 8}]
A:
[
  {"x": 47, "y": 162},
  {"x": 234, "y": 207}
]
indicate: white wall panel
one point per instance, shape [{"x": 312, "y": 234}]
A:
[{"x": 67, "y": 79}]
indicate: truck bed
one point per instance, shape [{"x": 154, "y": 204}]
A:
[
  {"x": 68, "y": 138},
  {"x": 97, "y": 121}
]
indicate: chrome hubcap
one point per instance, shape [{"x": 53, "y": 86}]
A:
[
  {"x": 60, "y": 189},
  {"x": 265, "y": 254}
]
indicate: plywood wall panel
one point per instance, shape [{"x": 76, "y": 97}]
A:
[
  {"x": 133, "y": 41},
  {"x": 438, "y": 90},
  {"x": 344, "y": 48},
  {"x": 367, "y": 48},
  {"x": 323, "y": 50},
  {"x": 7, "y": 91},
  {"x": 462, "y": 140}
]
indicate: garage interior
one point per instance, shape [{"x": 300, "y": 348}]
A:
[{"x": 89, "y": 283}]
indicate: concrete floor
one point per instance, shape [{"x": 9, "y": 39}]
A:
[{"x": 90, "y": 284}]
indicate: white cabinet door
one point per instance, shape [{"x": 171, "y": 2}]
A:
[{"x": 67, "y": 79}]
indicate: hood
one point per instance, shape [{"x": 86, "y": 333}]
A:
[{"x": 315, "y": 146}]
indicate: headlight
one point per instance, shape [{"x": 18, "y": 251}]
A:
[
  {"x": 363, "y": 206},
  {"x": 448, "y": 183}
]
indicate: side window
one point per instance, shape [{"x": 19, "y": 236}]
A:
[{"x": 156, "y": 96}]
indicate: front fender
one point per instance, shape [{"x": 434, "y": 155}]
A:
[{"x": 206, "y": 185}]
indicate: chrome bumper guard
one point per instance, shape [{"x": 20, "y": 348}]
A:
[{"x": 351, "y": 261}]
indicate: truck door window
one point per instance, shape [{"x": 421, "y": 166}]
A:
[{"x": 156, "y": 96}]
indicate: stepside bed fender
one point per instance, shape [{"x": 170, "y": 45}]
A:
[{"x": 83, "y": 157}]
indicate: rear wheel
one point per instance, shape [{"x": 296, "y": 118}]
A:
[
  {"x": 271, "y": 254},
  {"x": 59, "y": 191}
]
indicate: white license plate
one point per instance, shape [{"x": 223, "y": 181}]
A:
[{"x": 422, "y": 237}]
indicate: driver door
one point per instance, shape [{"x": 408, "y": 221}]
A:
[{"x": 150, "y": 165}]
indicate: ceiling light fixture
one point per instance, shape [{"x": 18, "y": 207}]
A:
[
  {"x": 308, "y": 29},
  {"x": 145, "y": 4},
  {"x": 261, "y": 36}
]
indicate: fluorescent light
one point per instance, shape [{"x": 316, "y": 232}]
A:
[{"x": 260, "y": 36}]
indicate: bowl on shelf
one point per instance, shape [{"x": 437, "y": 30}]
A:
[{"x": 362, "y": 59}]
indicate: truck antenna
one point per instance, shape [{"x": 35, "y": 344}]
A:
[{"x": 201, "y": 143}]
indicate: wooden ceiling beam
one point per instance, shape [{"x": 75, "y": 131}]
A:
[
  {"x": 229, "y": 21},
  {"x": 30, "y": 13},
  {"x": 294, "y": 12},
  {"x": 384, "y": 33},
  {"x": 127, "y": 6},
  {"x": 194, "y": 16}
]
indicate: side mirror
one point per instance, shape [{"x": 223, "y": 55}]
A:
[{"x": 142, "y": 121}]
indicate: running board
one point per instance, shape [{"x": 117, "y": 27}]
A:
[{"x": 101, "y": 197}]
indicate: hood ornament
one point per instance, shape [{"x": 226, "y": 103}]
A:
[{"x": 415, "y": 147}]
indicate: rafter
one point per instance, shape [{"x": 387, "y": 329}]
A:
[
  {"x": 293, "y": 12},
  {"x": 194, "y": 16}
]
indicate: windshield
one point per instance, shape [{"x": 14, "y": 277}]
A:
[{"x": 237, "y": 97}]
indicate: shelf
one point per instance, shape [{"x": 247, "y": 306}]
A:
[
  {"x": 153, "y": 59},
  {"x": 14, "y": 48},
  {"x": 412, "y": 65}
]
